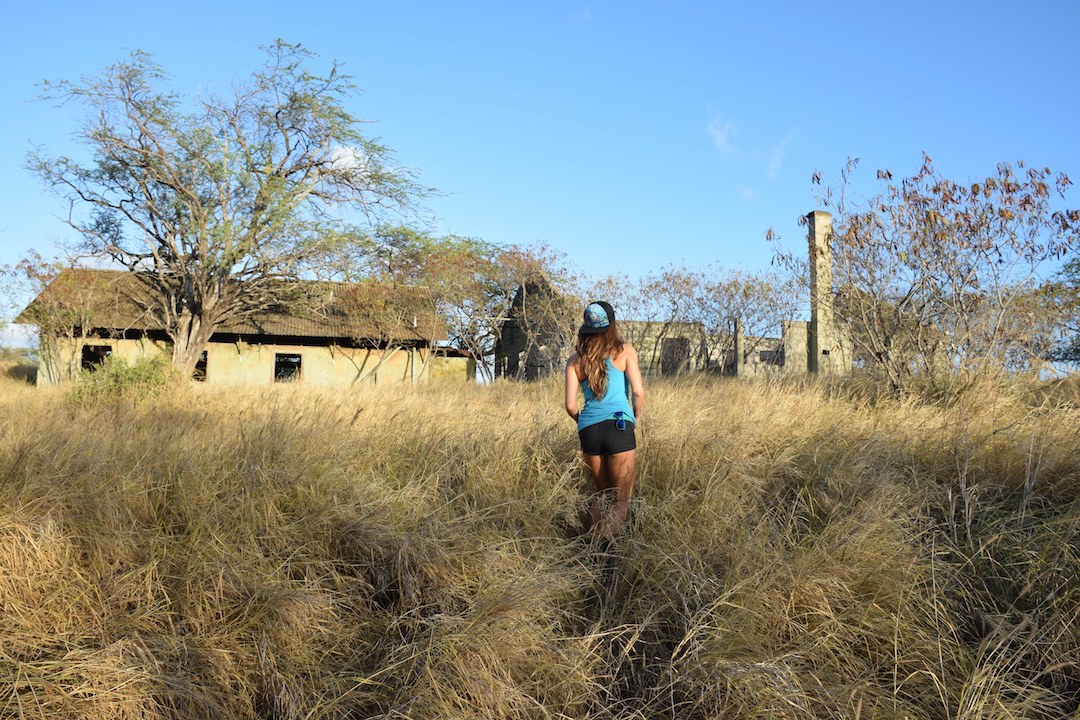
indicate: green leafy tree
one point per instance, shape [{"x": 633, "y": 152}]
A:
[
  {"x": 471, "y": 288},
  {"x": 455, "y": 278},
  {"x": 218, "y": 203},
  {"x": 467, "y": 284}
]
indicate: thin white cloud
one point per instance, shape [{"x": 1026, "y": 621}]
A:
[
  {"x": 777, "y": 153},
  {"x": 746, "y": 193},
  {"x": 583, "y": 15},
  {"x": 723, "y": 134}
]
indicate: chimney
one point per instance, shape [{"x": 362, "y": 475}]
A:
[{"x": 820, "y": 340}]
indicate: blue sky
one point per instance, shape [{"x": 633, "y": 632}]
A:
[{"x": 629, "y": 135}]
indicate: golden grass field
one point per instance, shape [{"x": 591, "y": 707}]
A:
[{"x": 796, "y": 550}]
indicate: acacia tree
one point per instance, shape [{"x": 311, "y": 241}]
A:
[
  {"x": 452, "y": 282},
  {"x": 670, "y": 294},
  {"x": 469, "y": 286},
  {"x": 471, "y": 282},
  {"x": 758, "y": 300},
  {"x": 935, "y": 277},
  {"x": 220, "y": 202}
]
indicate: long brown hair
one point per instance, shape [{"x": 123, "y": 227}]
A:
[{"x": 593, "y": 350}]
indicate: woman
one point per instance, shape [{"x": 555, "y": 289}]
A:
[{"x": 607, "y": 371}]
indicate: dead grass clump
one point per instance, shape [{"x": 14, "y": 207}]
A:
[{"x": 48, "y": 601}]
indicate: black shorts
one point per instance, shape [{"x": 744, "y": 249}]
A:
[{"x": 606, "y": 439}]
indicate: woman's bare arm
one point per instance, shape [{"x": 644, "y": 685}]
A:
[
  {"x": 572, "y": 387},
  {"x": 637, "y": 387}
]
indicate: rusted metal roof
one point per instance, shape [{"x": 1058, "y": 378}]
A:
[{"x": 119, "y": 300}]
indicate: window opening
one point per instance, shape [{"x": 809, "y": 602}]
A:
[
  {"x": 200, "y": 368},
  {"x": 94, "y": 355},
  {"x": 286, "y": 367},
  {"x": 674, "y": 355}
]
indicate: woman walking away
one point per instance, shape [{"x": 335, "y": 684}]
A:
[{"x": 607, "y": 371}]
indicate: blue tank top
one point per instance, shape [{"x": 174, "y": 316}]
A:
[{"x": 615, "y": 400}]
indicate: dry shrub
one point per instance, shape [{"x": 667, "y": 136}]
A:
[{"x": 21, "y": 371}]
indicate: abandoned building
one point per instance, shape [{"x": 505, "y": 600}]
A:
[
  {"x": 527, "y": 346},
  {"x": 820, "y": 345},
  {"x": 331, "y": 347}
]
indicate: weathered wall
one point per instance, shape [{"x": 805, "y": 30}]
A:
[
  {"x": 795, "y": 350},
  {"x": 716, "y": 353},
  {"x": 452, "y": 369},
  {"x": 249, "y": 364},
  {"x": 759, "y": 357},
  {"x": 822, "y": 345},
  {"x": 665, "y": 348},
  {"x": 255, "y": 364}
]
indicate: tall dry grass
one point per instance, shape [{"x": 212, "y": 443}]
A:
[{"x": 798, "y": 550}]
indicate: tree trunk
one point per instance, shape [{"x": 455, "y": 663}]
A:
[{"x": 190, "y": 338}]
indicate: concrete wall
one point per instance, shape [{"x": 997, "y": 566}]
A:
[
  {"x": 252, "y": 364},
  {"x": 243, "y": 363},
  {"x": 451, "y": 369},
  {"x": 795, "y": 351},
  {"x": 758, "y": 357},
  {"x": 789, "y": 354},
  {"x": 716, "y": 353},
  {"x": 669, "y": 348}
]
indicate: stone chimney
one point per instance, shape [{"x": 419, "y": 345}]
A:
[{"x": 822, "y": 339}]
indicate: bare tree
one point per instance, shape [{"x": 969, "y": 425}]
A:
[
  {"x": 67, "y": 303},
  {"x": 759, "y": 301},
  {"x": 676, "y": 304},
  {"x": 935, "y": 277},
  {"x": 1062, "y": 293},
  {"x": 215, "y": 202}
]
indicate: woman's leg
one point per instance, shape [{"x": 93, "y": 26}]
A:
[
  {"x": 620, "y": 469},
  {"x": 598, "y": 469},
  {"x": 614, "y": 479}
]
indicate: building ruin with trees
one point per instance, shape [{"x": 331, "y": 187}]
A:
[
  {"x": 533, "y": 342},
  {"x": 349, "y": 332}
]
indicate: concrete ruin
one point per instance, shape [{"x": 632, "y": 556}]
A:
[
  {"x": 821, "y": 346},
  {"x": 527, "y": 347}
]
